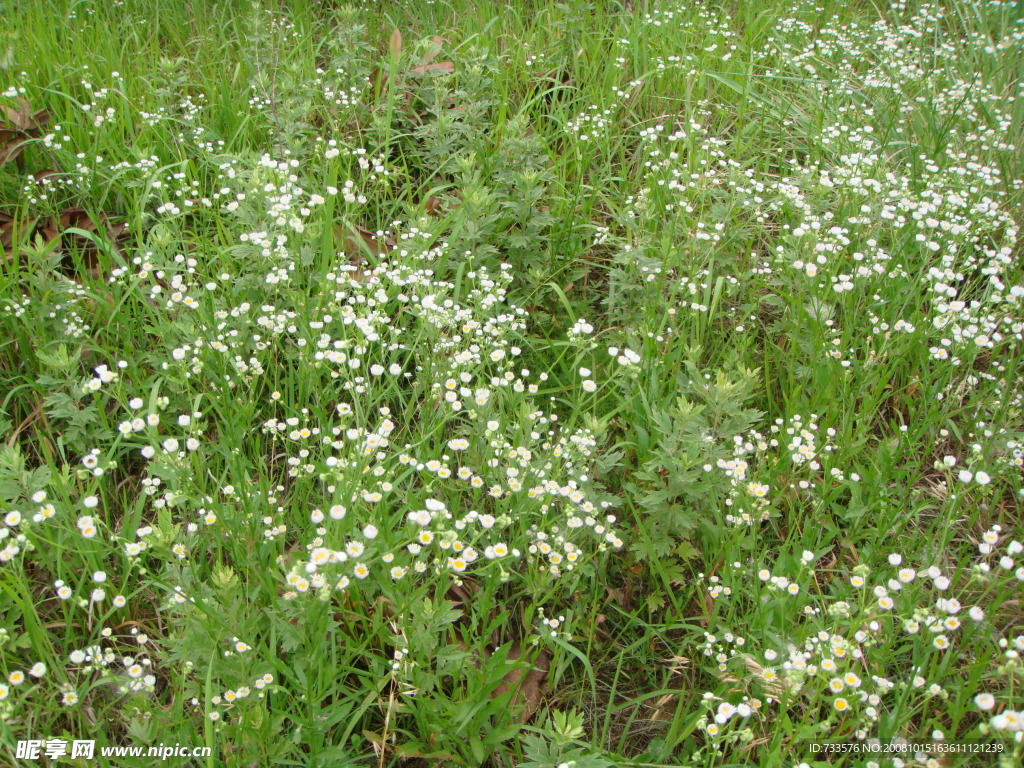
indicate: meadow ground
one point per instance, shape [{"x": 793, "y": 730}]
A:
[{"x": 544, "y": 384}]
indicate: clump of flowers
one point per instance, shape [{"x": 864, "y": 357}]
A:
[{"x": 871, "y": 642}]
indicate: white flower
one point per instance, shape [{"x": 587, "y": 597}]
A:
[
  {"x": 985, "y": 701},
  {"x": 420, "y": 517},
  {"x": 628, "y": 356},
  {"x": 982, "y": 478}
]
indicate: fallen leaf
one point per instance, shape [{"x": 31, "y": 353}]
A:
[
  {"x": 528, "y": 689},
  {"x": 435, "y": 48},
  {"x": 387, "y": 607},
  {"x": 433, "y": 206},
  {"x": 24, "y": 118},
  {"x": 8, "y": 225},
  {"x": 441, "y": 66},
  {"x": 81, "y": 220},
  {"x": 623, "y": 596},
  {"x": 78, "y": 218},
  {"x": 356, "y": 241},
  {"x": 45, "y": 175},
  {"x": 12, "y": 144},
  {"x": 460, "y": 595},
  {"x": 22, "y": 124}
]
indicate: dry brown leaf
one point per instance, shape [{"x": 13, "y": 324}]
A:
[
  {"x": 357, "y": 240},
  {"x": 40, "y": 119},
  {"x": 461, "y": 594},
  {"x": 433, "y": 206},
  {"x": 79, "y": 219},
  {"x": 623, "y": 596},
  {"x": 12, "y": 144},
  {"x": 8, "y": 225},
  {"x": 48, "y": 231},
  {"x": 387, "y": 607},
  {"x": 46, "y": 175},
  {"x": 6, "y": 232},
  {"x": 22, "y": 124},
  {"x": 356, "y": 243},
  {"x": 18, "y": 118},
  {"x": 435, "y": 48},
  {"x": 528, "y": 689},
  {"x": 446, "y": 67},
  {"x": 116, "y": 232},
  {"x": 24, "y": 119}
]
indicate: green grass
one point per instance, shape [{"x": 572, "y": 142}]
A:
[{"x": 533, "y": 384}]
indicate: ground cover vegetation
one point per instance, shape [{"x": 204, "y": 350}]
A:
[{"x": 520, "y": 384}]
